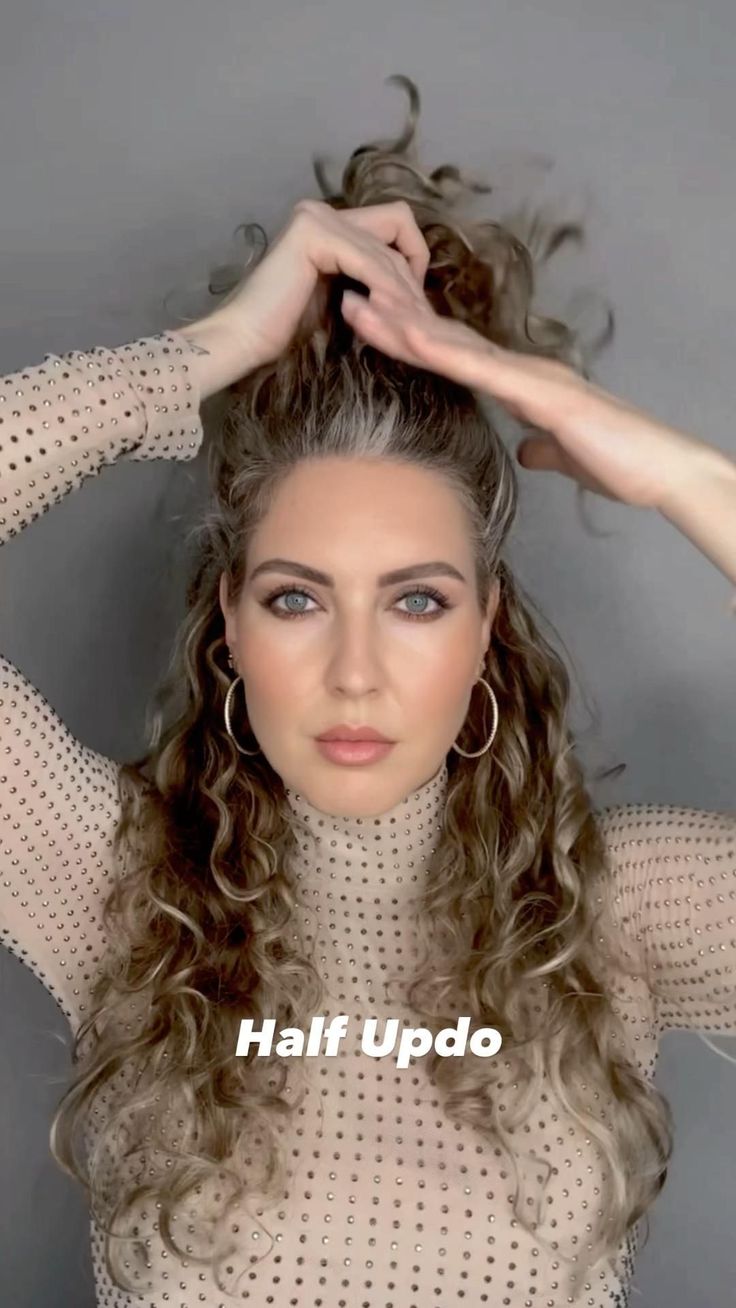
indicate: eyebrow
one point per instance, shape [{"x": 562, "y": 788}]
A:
[{"x": 437, "y": 568}]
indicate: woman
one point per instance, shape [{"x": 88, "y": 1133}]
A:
[{"x": 246, "y": 868}]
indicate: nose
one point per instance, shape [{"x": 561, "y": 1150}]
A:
[{"x": 355, "y": 660}]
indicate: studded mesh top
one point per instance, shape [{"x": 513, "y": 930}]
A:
[{"x": 389, "y": 1204}]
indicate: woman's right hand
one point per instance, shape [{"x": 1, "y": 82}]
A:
[{"x": 286, "y": 292}]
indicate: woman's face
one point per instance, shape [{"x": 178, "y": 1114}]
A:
[{"x": 356, "y": 649}]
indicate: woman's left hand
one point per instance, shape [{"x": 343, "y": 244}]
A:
[{"x": 601, "y": 442}]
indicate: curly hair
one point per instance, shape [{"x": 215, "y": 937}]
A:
[{"x": 201, "y": 915}]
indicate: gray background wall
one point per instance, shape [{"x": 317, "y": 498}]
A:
[{"x": 134, "y": 139}]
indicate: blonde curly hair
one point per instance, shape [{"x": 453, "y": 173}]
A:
[{"x": 200, "y": 918}]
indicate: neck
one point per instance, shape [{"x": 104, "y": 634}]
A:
[{"x": 387, "y": 854}]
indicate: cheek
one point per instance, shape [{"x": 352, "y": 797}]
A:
[
  {"x": 273, "y": 668},
  {"x": 434, "y": 668},
  {"x": 439, "y": 683}
]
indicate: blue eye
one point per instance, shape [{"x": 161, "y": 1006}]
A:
[
  {"x": 427, "y": 591},
  {"x": 424, "y": 594}
]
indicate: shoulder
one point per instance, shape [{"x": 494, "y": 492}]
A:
[
  {"x": 669, "y": 893},
  {"x": 666, "y": 833}
]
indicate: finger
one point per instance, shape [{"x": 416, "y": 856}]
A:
[
  {"x": 355, "y": 242},
  {"x": 540, "y": 452},
  {"x": 405, "y": 277},
  {"x": 545, "y": 454},
  {"x": 384, "y": 271},
  {"x": 333, "y": 250},
  {"x": 394, "y": 224},
  {"x": 403, "y": 295},
  {"x": 376, "y": 327}
]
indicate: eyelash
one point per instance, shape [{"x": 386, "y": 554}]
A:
[{"x": 436, "y": 595}]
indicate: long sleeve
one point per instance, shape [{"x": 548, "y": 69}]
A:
[
  {"x": 672, "y": 896},
  {"x": 61, "y": 422}
]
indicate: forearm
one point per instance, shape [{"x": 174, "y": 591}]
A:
[{"x": 702, "y": 505}]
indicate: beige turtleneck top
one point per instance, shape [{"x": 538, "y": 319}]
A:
[{"x": 389, "y": 1205}]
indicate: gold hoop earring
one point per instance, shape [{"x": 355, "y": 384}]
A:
[
  {"x": 476, "y": 753},
  {"x": 228, "y": 702}
]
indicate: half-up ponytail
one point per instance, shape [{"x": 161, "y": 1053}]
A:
[{"x": 508, "y": 911}]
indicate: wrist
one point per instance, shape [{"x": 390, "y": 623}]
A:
[
  {"x": 222, "y": 357},
  {"x": 705, "y": 469},
  {"x": 702, "y": 505}
]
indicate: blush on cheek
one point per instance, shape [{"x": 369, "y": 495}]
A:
[
  {"x": 265, "y": 682},
  {"x": 277, "y": 680}
]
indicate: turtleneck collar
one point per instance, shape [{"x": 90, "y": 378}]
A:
[{"x": 386, "y": 854}]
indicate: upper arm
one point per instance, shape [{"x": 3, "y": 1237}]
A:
[
  {"x": 673, "y": 897},
  {"x": 59, "y": 807}
]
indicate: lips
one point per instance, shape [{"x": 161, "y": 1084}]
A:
[{"x": 353, "y": 734}]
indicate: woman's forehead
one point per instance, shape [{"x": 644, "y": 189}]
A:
[
  {"x": 334, "y": 487},
  {"x": 350, "y": 518}
]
